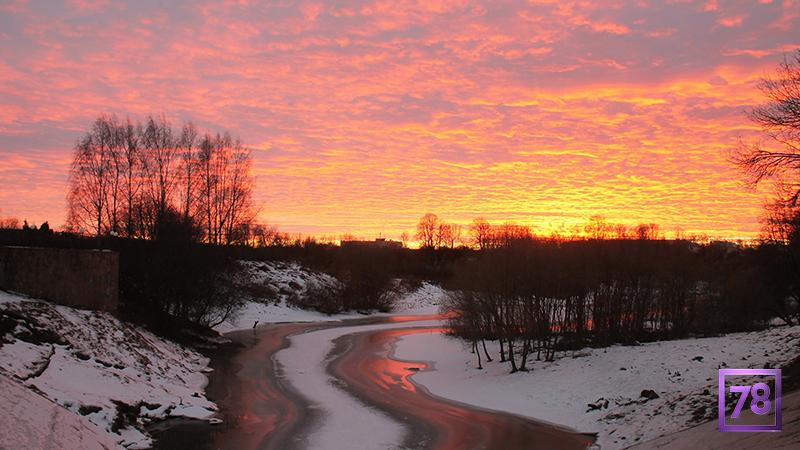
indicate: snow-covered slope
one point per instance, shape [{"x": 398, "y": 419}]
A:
[
  {"x": 707, "y": 437},
  {"x": 426, "y": 299},
  {"x": 284, "y": 279},
  {"x": 269, "y": 286},
  {"x": 30, "y": 421},
  {"x": 683, "y": 373},
  {"x": 116, "y": 375}
]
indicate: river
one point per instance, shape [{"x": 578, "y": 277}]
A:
[{"x": 260, "y": 408}]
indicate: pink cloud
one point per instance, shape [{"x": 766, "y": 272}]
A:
[
  {"x": 546, "y": 112},
  {"x": 732, "y": 21}
]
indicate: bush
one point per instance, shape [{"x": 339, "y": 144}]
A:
[{"x": 320, "y": 297}]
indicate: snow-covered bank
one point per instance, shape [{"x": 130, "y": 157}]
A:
[
  {"x": 682, "y": 373},
  {"x": 29, "y": 421},
  {"x": 268, "y": 287},
  {"x": 707, "y": 437},
  {"x": 426, "y": 299},
  {"x": 304, "y": 363},
  {"x": 271, "y": 285},
  {"x": 118, "y": 376}
]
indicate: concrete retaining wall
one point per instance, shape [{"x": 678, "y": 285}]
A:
[{"x": 86, "y": 279}]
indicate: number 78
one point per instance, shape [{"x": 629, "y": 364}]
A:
[{"x": 760, "y": 393}]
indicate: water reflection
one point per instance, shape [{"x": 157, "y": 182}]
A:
[{"x": 371, "y": 373}]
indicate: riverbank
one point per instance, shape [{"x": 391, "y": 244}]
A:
[
  {"x": 607, "y": 390},
  {"x": 363, "y": 365},
  {"x": 706, "y": 436},
  {"x": 269, "y": 288},
  {"x": 273, "y": 393},
  {"x": 30, "y": 421},
  {"x": 117, "y": 376}
]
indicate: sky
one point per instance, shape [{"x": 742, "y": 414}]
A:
[{"x": 363, "y": 116}]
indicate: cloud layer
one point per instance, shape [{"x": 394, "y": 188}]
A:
[{"x": 362, "y": 116}]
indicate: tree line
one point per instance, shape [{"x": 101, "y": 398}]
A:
[
  {"x": 139, "y": 180},
  {"x": 433, "y": 232},
  {"x": 538, "y": 297}
]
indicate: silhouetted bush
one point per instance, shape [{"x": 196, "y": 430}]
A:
[{"x": 320, "y": 297}]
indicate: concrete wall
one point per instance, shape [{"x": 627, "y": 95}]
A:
[{"x": 86, "y": 279}]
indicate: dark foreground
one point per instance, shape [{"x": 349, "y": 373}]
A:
[{"x": 261, "y": 410}]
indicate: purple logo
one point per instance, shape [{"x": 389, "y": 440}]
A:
[{"x": 763, "y": 400}]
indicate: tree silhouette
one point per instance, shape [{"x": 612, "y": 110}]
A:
[
  {"x": 126, "y": 179},
  {"x": 428, "y": 231},
  {"x": 779, "y": 118}
]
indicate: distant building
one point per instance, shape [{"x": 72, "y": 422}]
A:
[{"x": 377, "y": 243}]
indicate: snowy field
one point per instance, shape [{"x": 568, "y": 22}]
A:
[
  {"x": 683, "y": 373},
  {"x": 96, "y": 366}
]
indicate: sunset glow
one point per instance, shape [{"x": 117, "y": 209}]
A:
[{"x": 363, "y": 116}]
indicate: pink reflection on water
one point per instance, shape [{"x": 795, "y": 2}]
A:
[
  {"x": 420, "y": 317},
  {"x": 392, "y": 374},
  {"x": 369, "y": 370}
]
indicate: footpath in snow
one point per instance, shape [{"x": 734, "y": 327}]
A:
[{"x": 683, "y": 373}]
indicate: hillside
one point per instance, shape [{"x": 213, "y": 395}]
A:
[{"x": 118, "y": 376}]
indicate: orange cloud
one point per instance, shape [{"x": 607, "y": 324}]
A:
[{"x": 362, "y": 117}]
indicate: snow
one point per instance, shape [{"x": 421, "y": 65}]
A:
[
  {"x": 90, "y": 359},
  {"x": 559, "y": 391},
  {"x": 426, "y": 299},
  {"x": 277, "y": 282},
  {"x": 263, "y": 313},
  {"x": 271, "y": 285},
  {"x": 28, "y": 420},
  {"x": 304, "y": 362},
  {"x": 711, "y": 438},
  {"x": 22, "y": 358}
]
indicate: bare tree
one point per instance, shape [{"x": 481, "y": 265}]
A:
[
  {"x": 239, "y": 210},
  {"x": 509, "y": 233},
  {"x": 187, "y": 145},
  {"x": 130, "y": 136},
  {"x": 621, "y": 231},
  {"x": 9, "y": 223},
  {"x": 225, "y": 188},
  {"x": 133, "y": 180},
  {"x": 404, "y": 237},
  {"x": 481, "y": 231},
  {"x": 107, "y": 134},
  {"x": 89, "y": 183},
  {"x": 428, "y": 230},
  {"x": 648, "y": 231},
  {"x": 779, "y": 118},
  {"x": 456, "y": 231},
  {"x": 597, "y": 228},
  {"x": 445, "y": 236},
  {"x": 161, "y": 156}
]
